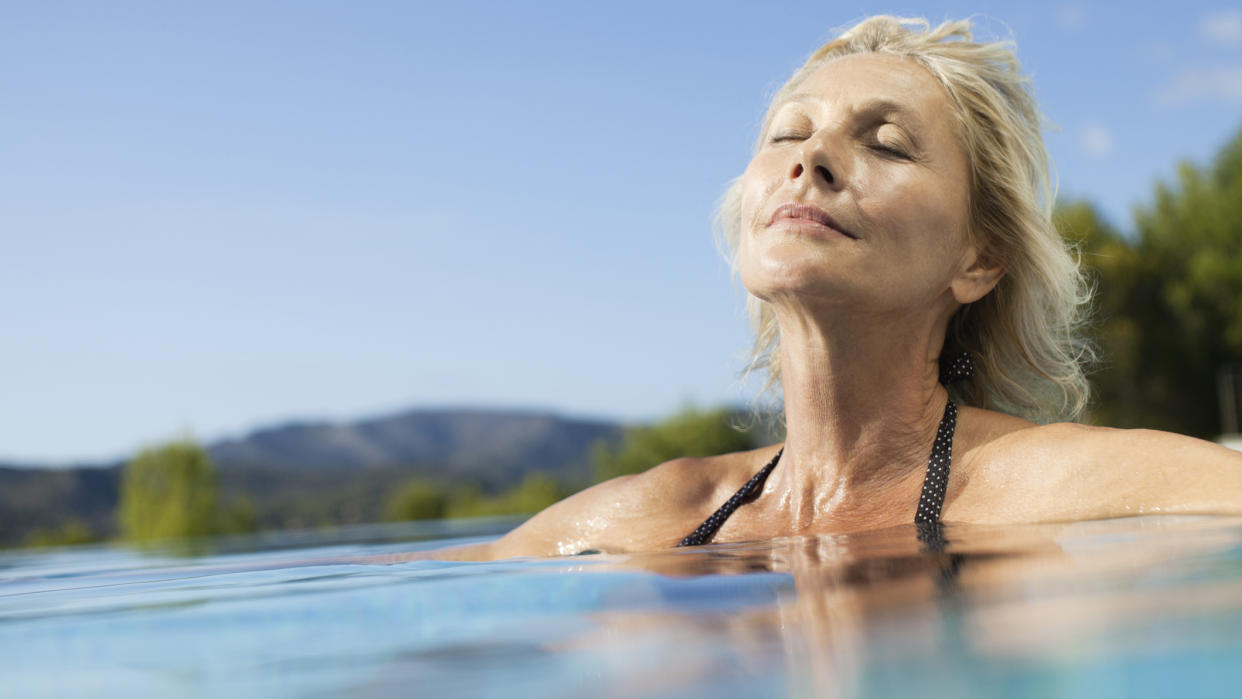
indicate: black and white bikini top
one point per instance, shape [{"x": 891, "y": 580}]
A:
[{"x": 934, "y": 483}]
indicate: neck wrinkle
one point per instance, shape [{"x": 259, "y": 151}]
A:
[{"x": 861, "y": 415}]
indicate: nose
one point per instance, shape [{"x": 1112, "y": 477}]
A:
[{"x": 813, "y": 162}]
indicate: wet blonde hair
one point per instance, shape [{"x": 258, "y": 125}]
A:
[{"x": 1026, "y": 335}]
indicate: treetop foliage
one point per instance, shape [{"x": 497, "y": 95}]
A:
[
  {"x": 690, "y": 432},
  {"x": 168, "y": 492},
  {"x": 1169, "y": 298}
]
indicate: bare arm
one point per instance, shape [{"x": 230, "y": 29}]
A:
[
  {"x": 575, "y": 524},
  {"x": 560, "y": 529},
  {"x": 644, "y": 511},
  {"x": 1178, "y": 474},
  {"x": 551, "y": 532},
  {"x": 587, "y": 520},
  {"x": 1075, "y": 472}
]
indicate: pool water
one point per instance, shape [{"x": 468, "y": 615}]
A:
[{"x": 1147, "y": 606}]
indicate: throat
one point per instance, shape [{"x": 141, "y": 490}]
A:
[
  {"x": 881, "y": 492},
  {"x": 827, "y": 506},
  {"x": 793, "y": 505}
]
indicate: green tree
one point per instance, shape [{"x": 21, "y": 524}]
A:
[
  {"x": 535, "y": 492},
  {"x": 1190, "y": 244},
  {"x": 1169, "y": 298},
  {"x": 71, "y": 532},
  {"x": 238, "y": 517},
  {"x": 168, "y": 492},
  {"x": 690, "y": 432},
  {"x": 1113, "y": 264},
  {"x": 417, "y": 499}
]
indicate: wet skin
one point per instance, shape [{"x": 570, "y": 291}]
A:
[{"x": 855, "y": 231}]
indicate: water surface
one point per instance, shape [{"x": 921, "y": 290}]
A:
[{"x": 1146, "y": 606}]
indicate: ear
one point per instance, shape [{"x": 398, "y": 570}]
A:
[{"x": 978, "y": 276}]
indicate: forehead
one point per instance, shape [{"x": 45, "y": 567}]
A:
[{"x": 854, "y": 81}]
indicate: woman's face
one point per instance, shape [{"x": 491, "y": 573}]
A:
[{"x": 857, "y": 197}]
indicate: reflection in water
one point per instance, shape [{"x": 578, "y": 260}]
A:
[
  {"x": 1145, "y": 606},
  {"x": 960, "y": 611}
]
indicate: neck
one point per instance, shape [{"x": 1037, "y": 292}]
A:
[{"x": 862, "y": 405}]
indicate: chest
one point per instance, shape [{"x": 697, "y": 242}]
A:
[{"x": 781, "y": 514}]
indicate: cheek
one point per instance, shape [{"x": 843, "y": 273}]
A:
[
  {"x": 751, "y": 200},
  {"x": 748, "y": 254},
  {"x": 923, "y": 212},
  {"x": 756, "y": 191}
]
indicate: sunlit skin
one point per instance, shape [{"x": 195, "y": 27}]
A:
[{"x": 855, "y": 230}]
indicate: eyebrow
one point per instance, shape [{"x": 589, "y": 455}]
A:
[{"x": 870, "y": 109}]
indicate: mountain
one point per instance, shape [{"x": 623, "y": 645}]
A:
[
  {"x": 498, "y": 447},
  {"x": 45, "y": 499},
  {"x": 305, "y": 473}
]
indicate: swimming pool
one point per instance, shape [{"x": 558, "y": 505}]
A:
[{"x": 1146, "y": 606}]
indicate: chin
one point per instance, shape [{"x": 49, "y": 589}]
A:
[
  {"x": 770, "y": 278},
  {"x": 786, "y": 255}
]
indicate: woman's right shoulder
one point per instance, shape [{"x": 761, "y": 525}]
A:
[{"x": 642, "y": 511}]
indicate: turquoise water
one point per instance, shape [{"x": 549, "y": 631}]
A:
[{"x": 1136, "y": 607}]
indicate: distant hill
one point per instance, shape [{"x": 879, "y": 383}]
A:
[
  {"x": 497, "y": 447},
  {"x": 38, "y": 498},
  {"x": 347, "y": 469}
]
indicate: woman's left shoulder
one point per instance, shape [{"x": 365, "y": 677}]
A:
[
  {"x": 1074, "y": 471},
  {"x": 1079, "y": 446}
]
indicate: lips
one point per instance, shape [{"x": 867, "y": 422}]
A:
[{"x": 810, "y": 214}]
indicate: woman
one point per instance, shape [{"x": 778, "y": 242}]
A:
[{"x": 892, "y": 229}]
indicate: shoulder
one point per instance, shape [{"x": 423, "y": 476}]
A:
[
  {"x": 1067, "y": 471},
  {"x": 641, "y": 511}
]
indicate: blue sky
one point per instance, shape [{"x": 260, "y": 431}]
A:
[{"x": 219, "y": 215}]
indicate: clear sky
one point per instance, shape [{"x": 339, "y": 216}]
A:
[{"x": 222, "y": 214}]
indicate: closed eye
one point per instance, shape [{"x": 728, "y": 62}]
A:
[
  {"x": 891, "y": 151},
  {"x": 786, "y": 137}
]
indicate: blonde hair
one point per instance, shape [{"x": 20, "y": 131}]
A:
[{"x": 1025, "y": 336}]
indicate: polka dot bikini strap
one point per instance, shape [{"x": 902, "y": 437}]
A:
[
  {"x": 958, "y": 367},
  {"x": 937, "y": 479},
  {"x": 708, "y": 528}
]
